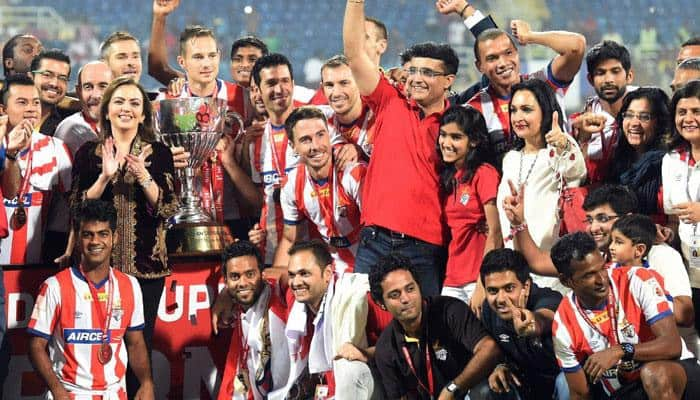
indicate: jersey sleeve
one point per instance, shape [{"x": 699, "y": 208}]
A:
[
  {"x": 47, "y": 309},
  {"x": 467, "y": 327},
  {"x": 667, "y": 183},
  {"x": 563, "y": 346},
  {"x": 649, "y": 294},
  {"x": 290, "y": 211},
  {"x": 486, "y": 182},
  {"x": 382, "y": 95},
  {"x": 137, "y": 318},
  {"x": 668, "y": 262}
]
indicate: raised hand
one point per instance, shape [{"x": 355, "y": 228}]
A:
[
  {"x": 514, "y": 204},
  {"x": 111, "y": 158},
  {"x": 556, "y": 137},
  {"x": 164, "y": 7},
  {"x": 20, "y": 136},
  {"x": 447, "y": 7},
  {"x": 175, "y": 86},
  {"x": 137, "y": 164},
  {"x": 521, "y": 31},
  {"x": 587, "y": 124},
  {"x": 524, "y": 321}
]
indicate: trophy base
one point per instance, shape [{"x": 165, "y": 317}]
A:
[{"x": 198, "y": 239}]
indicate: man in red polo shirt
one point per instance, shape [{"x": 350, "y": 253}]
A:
[{"x": 401, "y": 207}]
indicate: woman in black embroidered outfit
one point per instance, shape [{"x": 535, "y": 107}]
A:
[{"x": 130, "y": 168}]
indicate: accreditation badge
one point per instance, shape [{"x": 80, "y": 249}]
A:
[{"x": 694, "y": 251}]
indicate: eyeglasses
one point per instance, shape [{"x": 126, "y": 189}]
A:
[
  {"x": 642, "y": 117},
  {"x": 427, "y": 72},
  {"x": 601, "y": 218},
  {"x": 52, "y": 75}
]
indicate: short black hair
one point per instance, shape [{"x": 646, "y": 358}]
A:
[
  {"x": 302, "y": 113},
  {"x": 14, "y": 80},
  {"x": 689, "y": 90},
  {"x": 92, "y": 210},
  {"x": 621, "y": 199},
  {"x": 317, "y": 247},
  {"x": 241, "y": 248},
  {"x": 270, "y": 60},
  {"x": 437, "y": 51},
  {"x": 693, "y": 41},
  {"x": 501, "y": 260},
  {"x": 50, "y": 54},
  {"x": 608, "y": 50},
  {"x": 387, "y": 264},
  {"x": 406, "y": 56},
  {"x": 572, "y": 247},
  {"x": 546, "y": 99},
  {"x": 490, "y": 34},
  {"x": 8, "y": 50},
  {"x": 249, "y": 41},
  {"x": 638, "y": 228}
]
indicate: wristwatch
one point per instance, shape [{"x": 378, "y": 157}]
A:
[
  {"x": 452, "y": 387},
  {"x": 628, "y": 350}
]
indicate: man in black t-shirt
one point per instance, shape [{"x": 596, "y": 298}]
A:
[
  {"x": 435, "y": 347},
  {"x": 519, "y": 315}
]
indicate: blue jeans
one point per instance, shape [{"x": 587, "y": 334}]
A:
[{"x": 428, "y": 259}]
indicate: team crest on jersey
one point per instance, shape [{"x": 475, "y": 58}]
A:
[
  {"x": 440, "y": 352},
  {"x": 628, "y": 330},
  {"x": 464, "y": 198}
]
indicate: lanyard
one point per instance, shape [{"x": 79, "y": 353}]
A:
[
  {"x": 24, "y": 187},
  {"x": 611, "y": 309},
  {"x": 429, "y": 366},
  {"x": 276, "y": 164},
  {"x": 95, "y": 299}
]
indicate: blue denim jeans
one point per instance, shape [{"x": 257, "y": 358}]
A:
[{"x": 428, "y": 259}]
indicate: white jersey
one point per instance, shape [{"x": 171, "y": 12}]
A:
[
  {"x": 361, "y": 132},
  {"x": 75, "y": 131},
  {"x": 66, "y": 315},
  {"x": 332, "y": 207},
  {"x": 50, "y": 174}
]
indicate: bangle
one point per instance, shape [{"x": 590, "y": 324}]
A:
[
  {"x": 461, "y": 13},
  {"x": 146, "y": 182},
  {"x": 11, "y": 157}
]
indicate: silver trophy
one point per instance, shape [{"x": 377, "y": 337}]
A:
[{"x": 196, "y": 124}]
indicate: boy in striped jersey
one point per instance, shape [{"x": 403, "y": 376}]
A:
[
  {"x": 90, "y": 318},
  {"x": 614, "y": 334}
]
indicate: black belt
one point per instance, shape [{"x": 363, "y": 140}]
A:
[{"x": 394, "y": 234}]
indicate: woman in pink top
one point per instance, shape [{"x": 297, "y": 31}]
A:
[{"x": 469, "y": 181}]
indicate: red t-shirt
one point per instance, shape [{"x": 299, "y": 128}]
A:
[
  {"x": 401, "y": 189},
  {"x": 464, "y": 211}
]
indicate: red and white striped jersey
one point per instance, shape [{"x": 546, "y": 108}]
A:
[
  {"x": 332, "y": 206},
  {"x": 67, "y": 316},
  {"x": 495, "y": 109},
  {"x": 51, "y": 166},
  {"x": 271, "y": 160},
  {"x": 267, "y": 357},
  {"x": 360, "y": 132},
  {"x": 641, "y": 300}
]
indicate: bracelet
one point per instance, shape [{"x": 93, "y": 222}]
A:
[
  {"x": 12, "y": 157},
  {"x": 461, "y": 13},
  {"x": 146, "y": 182},
  {"x": 514, "y": 229}
]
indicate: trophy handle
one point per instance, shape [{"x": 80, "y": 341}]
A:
[{"x": 234, "y": 115}]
